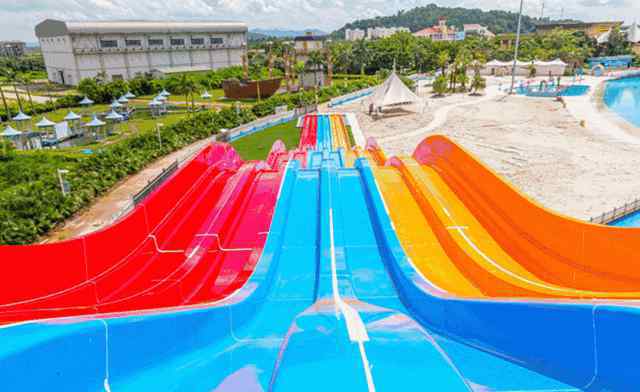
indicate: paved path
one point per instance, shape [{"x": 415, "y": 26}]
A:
[{"x": 110, "y": 206}]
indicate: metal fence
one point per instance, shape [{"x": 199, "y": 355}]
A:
[
  {"x": 154, "y": 183},
  {"x": 617, "y": 213},
  {"x": 341, "y": 100}
]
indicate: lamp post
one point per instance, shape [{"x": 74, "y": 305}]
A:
[
  {"x": 515, "y": 56},
  {"x": 64, "y": 186},
  {"x": 158, "y": 126}
]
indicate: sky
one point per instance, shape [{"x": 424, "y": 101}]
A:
[{"x": 20, "y": 16}]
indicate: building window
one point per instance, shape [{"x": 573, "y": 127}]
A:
[
  {"x": 216, "y": 41},
  {"x": 133, "y": 42},
  {"x": 197, "y": 41},
  {"x": 156, "y": 42},
  {"x": 177, "y": 42},
  {"x": 108, "y": 43}
]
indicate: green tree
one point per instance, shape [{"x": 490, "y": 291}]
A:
[
  {"x": 440, "y": 85},
  {"x": 188, "y": 87}
]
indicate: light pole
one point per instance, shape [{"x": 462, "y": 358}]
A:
[
  {"x": 515, "y": 56},
  {"x": 64, "y": 186},
  {"x": 158, "y": 126}
]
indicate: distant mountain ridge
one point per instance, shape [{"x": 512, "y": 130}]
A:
[
  {"x": 280, "y": 33},
  {"x": 420, "y": 17}
]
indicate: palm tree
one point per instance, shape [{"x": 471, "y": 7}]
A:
[
  {"x": 12, "y": 78},
  {"x": 315, "y": 62},
  {"x": 443, "y": 61},
  {"x": 329, "y": 61},
  {"x": 4, "y": 101},
  {"x": 362, "y": 54},
  {"x": 188, "y": 87},
  {"x": 26, "y": 80}
]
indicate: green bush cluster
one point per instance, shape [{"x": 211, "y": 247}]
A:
[{"x": 31, "y": 203}]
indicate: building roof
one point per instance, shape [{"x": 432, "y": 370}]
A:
[
  {"x": 428, "y": 31},
  {"x": 55, "y": 28},
  {"x": 473, "y": 26},
  {"x": 550, "y": 26},
  {"x": 309, "y": 38}
]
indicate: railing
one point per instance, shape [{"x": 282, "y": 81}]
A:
[
  {"x": 154, "y": 183},
  {"x": 617, "y": 213},
  {"x": 234, "y": 134},
  {"x": 341, "y": 100}
]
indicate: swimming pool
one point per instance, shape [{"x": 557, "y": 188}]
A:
[
  {"x": 631, "y": 220},
  {"x": 623, "y": 97}
]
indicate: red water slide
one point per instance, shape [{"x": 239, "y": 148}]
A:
[
  {"x": 309, "y": 135},
  {"x": 194, "y": 240}
]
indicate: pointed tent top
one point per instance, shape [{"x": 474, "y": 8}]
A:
[
  {"x": 164, "y": 93},
  {"x": 113, "y": 115},
  {"x": 21, "y": 117},
  {"x": 71, "y": 116},
  {"x": 205, "y": 95},
  {"x": 86, "y": 101},
  {"x": 633, "y": 35},
  {"x": 95, "y": 122},
  {"x": 129, "y": 95},
  {"x": 9, "y": 132},
  {"x": 123, "y": 99},
  {"x": 155, "y": 103},
  {"x": 45, "y": 123},
  {"x": 115, "y": 104},
  {"x": 393, "y": 92},
  {"x": 160, "y": 98}
]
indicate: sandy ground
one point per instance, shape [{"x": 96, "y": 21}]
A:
[{"x": 535, "y": 143}]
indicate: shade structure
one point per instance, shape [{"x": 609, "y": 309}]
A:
[
  {"x": 123, "y": 99},
  {"x": 154, "y": 102},
  {"x": 10, "y": 132},
  {"x": 95, "y": 122},
  {"x": 86, "y": 101},
  {"x": 71, "y": 116},
  {"x": 21, "y": 117},
  {"x": 45, "y": 123},
  {"x": 115, "y": 104},
  {"x": 393, "y": 92},
  {"x": 161, "y": 98},
  {"x": 164, "y": 93},
  {"x": 129, "y": 95},
  {"x": 115, "y": 116},
  {"x": 205, "y": 95}
]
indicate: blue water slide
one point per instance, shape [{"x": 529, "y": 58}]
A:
[
  {"x": 584, "y": 346},
  {"x": 230, "y": 346}
]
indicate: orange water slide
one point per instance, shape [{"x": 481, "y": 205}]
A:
[{"x": 446, "y": 218}]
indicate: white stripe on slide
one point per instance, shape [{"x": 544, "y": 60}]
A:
[{"x": 355, "y": 326}]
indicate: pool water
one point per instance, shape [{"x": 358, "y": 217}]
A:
[
  {"x": 622, "y": 96},
  {"x": 631, "y": 220},
  {"x": 576, "y": 90}
]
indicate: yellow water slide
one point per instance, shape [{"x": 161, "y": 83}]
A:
[{"x": 454, "y": 237}]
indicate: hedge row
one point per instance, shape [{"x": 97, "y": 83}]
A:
[
  {"x": 31, "y": 203},
  {"x": 35, "y": 204}
]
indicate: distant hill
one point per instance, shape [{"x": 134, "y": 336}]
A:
[
  {"x": 278, "y": 33},
  {"x": 421, "y": 17}
]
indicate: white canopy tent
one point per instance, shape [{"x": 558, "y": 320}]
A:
[{"x": 393, "y": 93}]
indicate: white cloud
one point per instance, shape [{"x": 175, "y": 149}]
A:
[{"x": 19, "y": 17}]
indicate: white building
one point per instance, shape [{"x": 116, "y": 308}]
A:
[
  {"x": 384, "y": 32},
  {"x": 479, "y": 30},
  {"x": 354, "y": 34},
  {"x": 123, "y": 49}
]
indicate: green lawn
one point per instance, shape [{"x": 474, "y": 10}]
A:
[{"x": 258, "y": 145}]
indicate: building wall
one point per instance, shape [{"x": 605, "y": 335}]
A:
[{"x": 71, "y": 58}]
